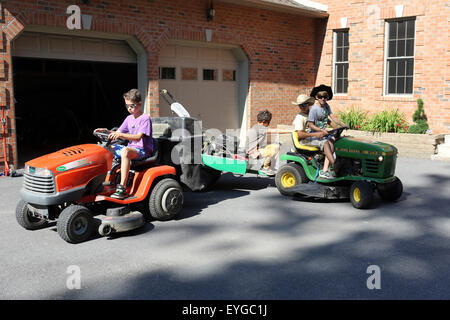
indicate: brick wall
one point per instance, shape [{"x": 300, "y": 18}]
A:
[
  {"x": 281, "y": 47},
  {"x": 366, "y": 23}
]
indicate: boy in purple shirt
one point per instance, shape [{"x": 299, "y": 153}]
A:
[{"x": 137, "y": 129}]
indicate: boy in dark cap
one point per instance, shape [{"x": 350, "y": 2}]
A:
[{"x": 319, "y": 117}]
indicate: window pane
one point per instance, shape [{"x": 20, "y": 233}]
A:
[
  {"x": 339, "y": 86},
  {"x": 410, "y": 47},
  {"x": 339, "y": 54},
  {"x": 167, "y": 73},
  {"x": 340, "y": 71},
  {"x": 409, "y": 85},
  {"x": 392, "y": 30},
  {"x": 345, "y": 70},
  {"x": 392, "y": 68},
  {"x": 401, "y": 85},
  {"x": 345, "y": 86},
  {"x": 401, "y": 30},
  {"x": 345, "y": 57},
  {"x": 391, "y": 85},
  {"x": 340, "y": 39},
  {"x": 209, "y": 74},
  {"x": 410, "y": 67},
  {"x": 392, "y": 48},
  {"x": 401, "y": 48},
  {"x": 401, "y": 68},
  {"x": 189, "y": 73},
  {"x": 346, "y": 39},
  {"x": 410, "y": 28}
]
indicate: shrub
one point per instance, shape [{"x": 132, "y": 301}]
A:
[
  {"x": 387, "y": 121},
  {"x": 420, "y": 119},
  {"x": 354, "y": 118}
]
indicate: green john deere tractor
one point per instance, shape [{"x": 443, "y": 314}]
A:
[{"x": 361, "y": 167}]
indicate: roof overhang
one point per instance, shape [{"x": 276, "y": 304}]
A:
[{"x": 301, "y": 7}]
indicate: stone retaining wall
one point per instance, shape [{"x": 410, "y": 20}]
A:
[{"x": 410, "y": 145}]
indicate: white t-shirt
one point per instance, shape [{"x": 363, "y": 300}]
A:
[{"x": 301, "y": 124}]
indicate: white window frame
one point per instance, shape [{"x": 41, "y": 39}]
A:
[
  {"x": 333, "y": 73},
  {"x": 386, "y": 53}
]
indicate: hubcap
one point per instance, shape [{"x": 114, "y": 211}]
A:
[
  {"x": 171, "y": 199},
  {"x": 80, "y": 225},
  {"x": 288, "y": 180},
  {"x": 357, "y": 194}
]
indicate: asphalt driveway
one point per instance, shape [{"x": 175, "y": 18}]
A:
[{"x": 243, "y": 240}]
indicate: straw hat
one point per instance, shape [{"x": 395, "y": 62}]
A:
[{"x": 303, "y": 98}]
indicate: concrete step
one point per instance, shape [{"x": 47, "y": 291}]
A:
[
  {"x": 444, "y": 150},
  {"x": 439, "y": 157},
  {"x": 447, "y": 139}
]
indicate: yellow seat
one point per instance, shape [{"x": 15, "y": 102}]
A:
[{"x": 299, "y": 146}]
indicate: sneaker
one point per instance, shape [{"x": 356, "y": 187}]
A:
[
  {"x": 268, "y": 172},
  {"x": 326, "y": 175},
  {"x": 120, "y": 193}
]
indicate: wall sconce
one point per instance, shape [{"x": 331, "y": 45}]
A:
[{"x": 210, "y": 13}]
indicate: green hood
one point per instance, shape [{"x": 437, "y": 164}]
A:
[{"x": 349, "y": 147}]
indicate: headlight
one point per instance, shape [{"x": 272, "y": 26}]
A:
[
  {"x": 380, "y": 158},
  {"x": 41, "y": 172}
]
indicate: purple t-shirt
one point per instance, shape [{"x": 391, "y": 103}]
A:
[{"x": 142, "y": 124}]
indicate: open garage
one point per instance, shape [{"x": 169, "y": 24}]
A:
[{"x": 65, "y": 87}]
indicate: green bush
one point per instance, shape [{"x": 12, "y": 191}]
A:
[
  {"x": 354, "y": 118},
  {"x": 386, "y": 121},
  {"x": 420, "y": 119}
]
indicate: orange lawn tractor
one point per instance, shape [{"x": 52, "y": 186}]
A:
[{"x": 73, "y": 186}]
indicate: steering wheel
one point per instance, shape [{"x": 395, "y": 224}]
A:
[
  {"x": 103, "y": 136},
  {"x": 336, "y": 133}
]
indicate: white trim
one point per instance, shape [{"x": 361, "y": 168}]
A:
[
  {"x": 399, "y": 10},
  {"x": 312, "y": 4}
]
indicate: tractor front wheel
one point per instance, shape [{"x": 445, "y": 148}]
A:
[
  {"x": 75, "y": 224},
  {"x": 26, "y": 219},
  {"x": 391, "y": 191},
  {"x": 361, "y": 194}
]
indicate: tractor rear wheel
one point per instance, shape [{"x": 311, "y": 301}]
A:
[
  {"x": 361, "y": 194},
  {"x": 166, "y": 199},
  {"x": 288, "y": 176}
]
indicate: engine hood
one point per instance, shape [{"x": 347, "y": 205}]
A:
[
  {"x": 71, "y": 158},
  {"x": 348, "y": 146}
]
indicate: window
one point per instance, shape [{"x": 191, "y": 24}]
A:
[
  {"x": 229, "y": 75},
  {"x": 189, "y": 73},
  {"x": 400, "y": 57},
  {"x": 341, "y": 46},
  {"x": 167, "y": 73},
  {"x": 209, "y": 74}
]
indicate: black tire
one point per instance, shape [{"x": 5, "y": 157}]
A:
[
  {"x": 166, "y": 199},
  {"x": 361, "y": 194},
  {"x": 391, "y": 191},
  {"x": 75, "y": 224},
  {"x": 288, "y": 176},
  {"x": 26, "y": 220}
]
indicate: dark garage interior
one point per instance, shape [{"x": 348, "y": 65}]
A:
[{"x": 60, "y": 102}]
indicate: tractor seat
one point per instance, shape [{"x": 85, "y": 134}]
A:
[
  {"x": 154, "y": 158},
  {"x": 302, "y": 147}
]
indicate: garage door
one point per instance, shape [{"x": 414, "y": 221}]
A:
[
  {"x": 50, "y": 46},
  {"x": 204, "y": 81}
]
